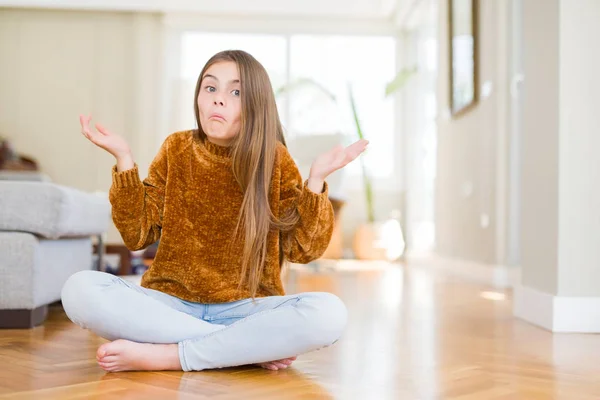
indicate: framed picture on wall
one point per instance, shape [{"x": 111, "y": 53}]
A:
[{"x": 462, "y": 22}]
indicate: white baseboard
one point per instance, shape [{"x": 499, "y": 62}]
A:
[
  {"x": 498, "y": 276},
  {"x": 556, "y": 313},
  {"x": 533, "y": 306}
]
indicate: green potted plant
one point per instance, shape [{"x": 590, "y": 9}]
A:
[
  {"x": 377, "y": 240},
  {"x": 370, "y": 240}
]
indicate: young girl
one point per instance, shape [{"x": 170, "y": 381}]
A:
[{"x": 229, "y": 206}]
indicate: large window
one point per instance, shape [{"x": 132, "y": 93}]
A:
[{"x": 318, "y": 71}]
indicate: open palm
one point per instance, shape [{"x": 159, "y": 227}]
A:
[
  {"x": 111, "y": 142},
  {"x": 336, "y": 158}
]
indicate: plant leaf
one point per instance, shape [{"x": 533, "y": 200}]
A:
[
  {"x": 399, "y": 80},
  {"x": 366, "y": 178},
  {"x": 355, "y": 113}
]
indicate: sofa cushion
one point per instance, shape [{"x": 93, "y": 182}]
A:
[
  {"x": 52, "y": 211},
  {"x": 33, "y": 270}
]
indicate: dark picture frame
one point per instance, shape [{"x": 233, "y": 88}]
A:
[{"x": 463, "y": 49}]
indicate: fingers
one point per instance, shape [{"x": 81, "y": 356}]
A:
[
  {"x": 356, "y": 148},
  {"x": 351, "y": 152},
  {"x": 341, "y": 159},
  {"x": 85, "y": 126},
  {"x": 102, "y": 129},
  {"x": 85, "y": 121},
  {"x": 91, "y": 134}
]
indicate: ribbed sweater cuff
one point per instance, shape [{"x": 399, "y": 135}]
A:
[
  {"x": 310, "y": 199},
  {"x": 127, "y": 178}
]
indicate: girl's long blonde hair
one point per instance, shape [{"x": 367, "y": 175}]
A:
[{"x": 253, "y": 153}]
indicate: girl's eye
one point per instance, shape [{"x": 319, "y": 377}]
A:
[
  {"x": 236, "y": 92},
  {"x": 211, "y": 89}
]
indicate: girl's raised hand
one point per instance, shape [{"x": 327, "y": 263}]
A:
[
  {"x": 336, "y": 158},
  {"x": 103, "y": 138}
]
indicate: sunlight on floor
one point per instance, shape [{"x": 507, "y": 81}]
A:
[{"x": 493, "y": 296}]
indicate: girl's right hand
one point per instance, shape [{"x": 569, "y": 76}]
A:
[{"x": 113, "y": 143}]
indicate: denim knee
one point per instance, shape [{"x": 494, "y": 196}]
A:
[
  {"x": 78, "y": 294},
  {"x": 328, "y": 317}
]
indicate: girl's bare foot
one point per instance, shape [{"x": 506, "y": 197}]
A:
[
  {"x": 277, "y": 364},
  {"x": 124, "y": 355}
]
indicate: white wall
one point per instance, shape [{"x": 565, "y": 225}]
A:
[
  {"x": 560, "y": 288},
  {"x": 560, "y": 192},
  {"x": 539, "y": 190},
  {"x": 58, "y": 64},
  {"x": 579, "y": 175},
  {"x": 470, "y": 189},
  {"x": 561, "y": 218}
]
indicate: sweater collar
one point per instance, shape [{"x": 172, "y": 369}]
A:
[{"x": 221, "y": 151}]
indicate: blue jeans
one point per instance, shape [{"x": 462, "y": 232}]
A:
[{"x": 208, "y": 335}]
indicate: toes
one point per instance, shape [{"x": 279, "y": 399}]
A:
[
  {"x": 277, "y": 364},
  {"x": 101, "y": 352},
  {"x": 104, "y": 350},
  {"x": 108, "y": 366},
  {"x": 112, "y": 348},
  {"x": 108, "y": 359},
  {"x": 268, "y": 366},
  {"x": 286, "y": 360}
]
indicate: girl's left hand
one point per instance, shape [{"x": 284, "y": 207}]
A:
[{"x": 334, "y": 159}]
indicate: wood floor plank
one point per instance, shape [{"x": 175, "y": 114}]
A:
[
  {"x": 412, "y": 334},
  {"x": 111, "y": 389}
]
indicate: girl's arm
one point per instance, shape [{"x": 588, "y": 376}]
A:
[
  {"x": 137, "y": 207},
  {"x": 310, "y": 237}
]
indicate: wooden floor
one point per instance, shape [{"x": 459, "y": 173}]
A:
[{"x": 412, "y": 334}]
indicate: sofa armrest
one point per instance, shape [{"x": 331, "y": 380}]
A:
[{"x": 52, "y": 211}]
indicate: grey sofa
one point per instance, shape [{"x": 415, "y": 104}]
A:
[{"x": 46, "y": 235}]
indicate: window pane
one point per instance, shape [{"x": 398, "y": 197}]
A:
[{"x": 334, "y": 63}]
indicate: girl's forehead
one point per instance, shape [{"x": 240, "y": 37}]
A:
[{"x": 223, "y": 68}]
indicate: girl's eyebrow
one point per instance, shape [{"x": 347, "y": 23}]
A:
[{"x": 216, "y": 79}]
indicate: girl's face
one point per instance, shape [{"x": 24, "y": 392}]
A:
[{"x": 219, "y": 102}]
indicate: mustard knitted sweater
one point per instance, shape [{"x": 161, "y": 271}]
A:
[{"x": 191, "y": 202}]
